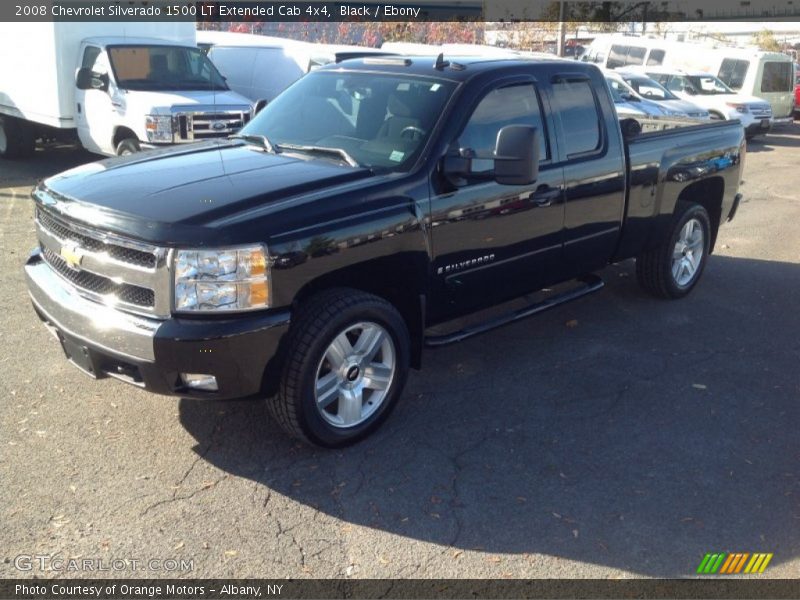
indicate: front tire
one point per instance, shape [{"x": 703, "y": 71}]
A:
[
  {"x": 346, "y": 366},
  {"x": 673, "y": 268},
  {"x": 128, "y": 146}
]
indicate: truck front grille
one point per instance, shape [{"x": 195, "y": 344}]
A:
[
  {"x": 197, "y": 126},
  {"x": 761, "y": 111},
  {"x": 121, "y": 253},
  {"x": 104, "y": 267},
  {"x": 96, "y": 284}
]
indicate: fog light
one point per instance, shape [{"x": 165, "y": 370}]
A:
[{"x": 200, "y": 381}]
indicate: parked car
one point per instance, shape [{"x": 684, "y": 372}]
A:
[
  {"x": 747, "y": 71},
  {"x": 626, "y": 94},
  {"x": 712, "y": 94},
  {"x": 648, "y": 89},
  {"x": 115, "y": 87},
  {"x": 522, "y": 163},
  {"x": 796, "y": 110}
]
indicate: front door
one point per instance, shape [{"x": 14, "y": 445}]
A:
[
  {"x": 93, "y": 108},
  {"x": 494, "y": 242}
]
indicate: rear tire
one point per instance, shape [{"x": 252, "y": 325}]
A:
[
  {"x": 128, "y": 146},
  {"x": 17, "y": 138},
  {"x": 673, "y": 268},
  {"x": 346, "y": 365}
]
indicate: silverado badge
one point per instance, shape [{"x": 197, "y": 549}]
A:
[{"x": 72, "y": 255}]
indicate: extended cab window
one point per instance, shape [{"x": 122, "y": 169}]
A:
[
  {"x": 580, "y": 118},
  {"x": 512, "y": 105}
]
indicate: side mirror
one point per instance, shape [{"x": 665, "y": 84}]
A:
[
  {"x": 83, "y": 81},
  {"x": 259, "y": 105},
  {"x": 689, "y": 90},
  {"x": 516, "y": 155},
  {"x": 89, "y": 80}
]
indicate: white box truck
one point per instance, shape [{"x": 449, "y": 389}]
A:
[{"x": 117, "y": 87}]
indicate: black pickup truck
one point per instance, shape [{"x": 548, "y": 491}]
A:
[{"x": 307, "y": 260}]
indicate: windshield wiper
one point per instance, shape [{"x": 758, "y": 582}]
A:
[
  {"x": 343, "y": 154},
  {"x": 260, "y": 140}
]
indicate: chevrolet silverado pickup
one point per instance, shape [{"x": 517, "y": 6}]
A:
[{"x": 310, "y": 259}]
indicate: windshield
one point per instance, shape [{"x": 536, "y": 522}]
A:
[
  {"x": 379, "y": 120},
  {"x": 157, "y": 68},
  {"x": 652, "y": 90},
  {"x": 708, "y": 85}
]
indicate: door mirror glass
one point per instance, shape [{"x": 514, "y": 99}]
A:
[
  {"x": 516, "y": 155},
  {"x": 89, "y": 80}
]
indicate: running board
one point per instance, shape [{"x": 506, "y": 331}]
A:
[{"x": 591, "y": 284}]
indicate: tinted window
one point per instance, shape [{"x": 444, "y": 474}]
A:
[
  {"x": 635, "y": 56},
  {"x": 656, "y": 57},
  {"x": 777, "y": 77},
  {"x": 732, "y": 72},
  {"x": 381, "y": 120},
  {"x": 577, "y": 107},
  {"x": 616, "y": 57},
  {"x": 513, "y": 105}
]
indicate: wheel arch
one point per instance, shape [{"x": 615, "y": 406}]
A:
[
  {"x": 121, "y": 133},
  {"x": 709, "y": 194},
  {"x": 400, "y": 280}
]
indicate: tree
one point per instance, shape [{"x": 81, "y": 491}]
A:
[{"x": 765, "y": 40}]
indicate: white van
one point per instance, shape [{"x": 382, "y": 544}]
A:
[
  {"x": 117, "y": 87},
  {"x": 748, "y": 71},
  {"x": 768, "y": 75},
  {"x": 260, "y": 67}
]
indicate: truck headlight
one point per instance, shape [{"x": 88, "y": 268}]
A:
[
  {"x": 226, "y": 280},
  {"x": 158, "y": 128}
]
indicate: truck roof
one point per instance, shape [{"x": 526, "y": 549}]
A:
[
  {"x": 133, "y": 41},
  {"x": 456, "y": 68}
]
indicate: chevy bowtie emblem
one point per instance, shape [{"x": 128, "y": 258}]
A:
[{"x": 72, "y": 255}]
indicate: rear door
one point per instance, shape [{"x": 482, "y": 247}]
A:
[
  {"x": 592, "y": 157},
  {"x": 493, "y": 242}
]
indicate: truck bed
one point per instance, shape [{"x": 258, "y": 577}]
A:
[{"x": 665, "y": 162}]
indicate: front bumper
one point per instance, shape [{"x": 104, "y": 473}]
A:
[
  {"x": 758, "y": 127},
  {"x": 149, "y": 353}
]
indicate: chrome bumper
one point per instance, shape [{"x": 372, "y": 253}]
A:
[{"x": 101, "y": 326}]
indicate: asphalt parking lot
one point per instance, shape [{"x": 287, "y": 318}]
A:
[{"x": 619, "y": 436}]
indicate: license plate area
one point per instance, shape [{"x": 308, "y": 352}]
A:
[
  {"x": 764, "y": 123},
  {"x": 78, "y": 354}
]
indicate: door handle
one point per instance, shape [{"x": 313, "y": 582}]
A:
[{"x": 546, "y": 196}]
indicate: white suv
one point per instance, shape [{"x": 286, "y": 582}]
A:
[{"x": 707, "y": 91}]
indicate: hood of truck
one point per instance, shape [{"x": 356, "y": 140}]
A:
[
  {"x": 151, "y": 194},
  {"x": 166, "y": 102}
]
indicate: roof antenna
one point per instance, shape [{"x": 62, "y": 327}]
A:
[{"x": 440, "y": 63}]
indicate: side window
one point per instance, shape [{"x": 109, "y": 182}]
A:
[
  {"x": 732, "y": 72},
  {"x": 635, "y": 55},
  {"x": 580, "y": 119},
  {"x": 777, "y": 77},
  {"x": 512, "y": 105},
  {"x": 90, "y": 57},
  {"x": 616, "y": 56},
  {"x": 656, "y": 58},
  {"x": 676, "y": 84}
]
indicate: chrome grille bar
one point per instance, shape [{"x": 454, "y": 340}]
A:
[{"x": 106, "y": 268}]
